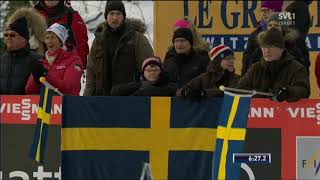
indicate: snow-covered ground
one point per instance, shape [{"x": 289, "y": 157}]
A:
[{"x": 137, "y": 9}]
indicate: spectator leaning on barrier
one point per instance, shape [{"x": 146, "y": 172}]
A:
[
  {"x": 220, "y": 71},
  {"x": 117, "y": 51},
  {"x": 200, "y": 46},
  {"x": 290, "y": 37},
  {"x": 18, "y": 61},
  {"x": 185, "y": 64},
  {"x": 267, "y": 8},
  {"x": 278, "y": 72},
  {"x": 152, "y": 82},
  {"x": 317, "y": 70},
  {"x": 37, "y": 26},
  {"x": 58, "y": 12},
  {"x": 64, "y": 67}
]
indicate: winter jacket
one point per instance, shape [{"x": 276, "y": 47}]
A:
[
  {"x": 211, "y": 80},
  {"x": 317, "y": 70},
  {"x": 269, "y": 76},
  {"x": 132, "y": 49},
  {"x": 37, "y": 25},
  {"x": 64, "y": 74},
  {"x": 290, "y": 38},
  {"x": 200, "y": 51},
  {"x": 163, "y": 87},
  {"x": 15, "y": 68},
  {"x": 77, "y": 29},
  {"x": 181, "y": 68},
  {"x": 252, "y": 45}
]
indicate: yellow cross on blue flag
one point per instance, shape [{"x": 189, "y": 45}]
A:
[
  {"x": 38, "y": 146},
  {"x": 113, "y": 137},
  {"x": 231, "y": 134}
]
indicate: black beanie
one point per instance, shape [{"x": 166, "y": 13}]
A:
[
  {"x": 21, "y": 27},
  {"x": 115, "y": 5},
  {"x": 183, "y": 33}
]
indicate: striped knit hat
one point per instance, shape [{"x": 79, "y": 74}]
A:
[
  {"x": 219, "y": 52},
  {"x": 152, "y": 60}
]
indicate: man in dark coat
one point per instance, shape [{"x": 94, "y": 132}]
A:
[
  {"x": 278, "y": 73},
  {"x": 185, "y": 64},
  {"x": 117, "y": 52},
  {"x": 18, "y": 61}
]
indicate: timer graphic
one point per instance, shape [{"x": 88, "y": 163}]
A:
[{"x": 264, "y": 158}]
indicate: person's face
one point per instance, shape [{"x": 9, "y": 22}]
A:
[
  {"x": 115, "y": 19},
  {"x": 50, "y": 3},
  {"x": 274, "y": 24},
  {"x": 52, "y": 41},
  {"x": 227, "y": 63},
  {"x": 152, "y": 72},
  {"x": 182, "y": 46},
  {"x": 271, "y": 53},
  {"x": 265, "y": 13},
  {"x": 14, "y": 41}
]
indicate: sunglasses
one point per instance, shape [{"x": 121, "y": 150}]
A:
[{"x": 9, "y": 35}]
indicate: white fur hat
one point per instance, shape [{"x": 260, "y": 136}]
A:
[{"x": 60, "y": 31}]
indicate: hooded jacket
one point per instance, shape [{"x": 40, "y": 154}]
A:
[
  {"x": 37, "y": 27},
  {"x": 269, "y": 76},
  {"x": 132, "y": 49}
]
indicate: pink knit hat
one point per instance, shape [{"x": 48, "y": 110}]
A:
[{"x": 182, "y": 23}]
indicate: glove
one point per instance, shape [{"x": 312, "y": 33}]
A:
[
  {"x": 281, "y": 94},
  {"x": 37, "y": 70},
  {"x": 193, "y": 94}
]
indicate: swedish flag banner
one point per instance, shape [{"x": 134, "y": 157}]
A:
[
  {"x": 38, "y": 146},
  {"x": 231, "y": 134},
  {"x": 112, "y": 137}
]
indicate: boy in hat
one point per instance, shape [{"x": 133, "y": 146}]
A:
[
  {"x": 220, "y": 71},
  {"x": 185, "y": 64},
  {"x": 152, "y": 82},
  {"x": 278, "y": 72},
  {"x": 117, "y": 52}
]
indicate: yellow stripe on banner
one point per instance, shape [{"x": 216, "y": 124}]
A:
[
  {"x": 158, "y": 140},
  {"x": 237, "y": 134},
  {"x": 225, "y": 146},
  {"x": 39, "y": 143}
]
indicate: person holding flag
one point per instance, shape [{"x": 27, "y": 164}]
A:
[{"x": 64, "y": 67}]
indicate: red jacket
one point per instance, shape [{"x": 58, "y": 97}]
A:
[
  {"x": 78, "y": 26},
  {"x": 65, "y": 74},
  {"x": 317, "y": 70}
]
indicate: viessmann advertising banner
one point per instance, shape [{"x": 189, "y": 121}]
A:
[{"x": 288, "y": 133}]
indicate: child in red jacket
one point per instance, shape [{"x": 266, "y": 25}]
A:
[{"x": 64, "y": 68}]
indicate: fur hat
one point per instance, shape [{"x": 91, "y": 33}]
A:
[
  {"x": 219, "y": 52},
  {"x": 271, "y": 37},
  {"x": 152, "y": 60},
  {"x": 60, "y": 31},
  {"x": 115, "y": 5},
  {"x": 20, "y": 26},
  {"x": 183, "y": 33},
  {"x": 275, "y": 6}
]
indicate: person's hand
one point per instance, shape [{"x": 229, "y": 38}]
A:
[
  {"x": 194, "y": 95},
  {"x": 37, "y": 70},
  {"x": 280, "y": 94}
]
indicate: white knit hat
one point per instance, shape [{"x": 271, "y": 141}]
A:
[{"x": 60, "y": 31}]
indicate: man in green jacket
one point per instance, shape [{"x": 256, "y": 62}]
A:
[
  {"x": 278, "y": 73},
  {"x": 117, "y": 52}
]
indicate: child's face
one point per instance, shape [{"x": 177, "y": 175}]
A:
[{"x": 151, "y": 73}]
